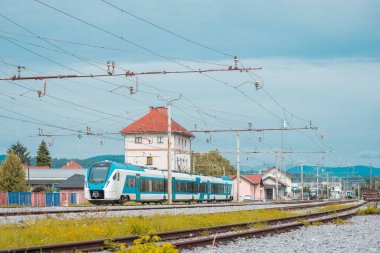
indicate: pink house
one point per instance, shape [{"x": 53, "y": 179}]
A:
[{"x": 251, "y": 187}]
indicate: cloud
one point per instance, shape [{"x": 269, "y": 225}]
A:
[{"x": 369, "y": 154}]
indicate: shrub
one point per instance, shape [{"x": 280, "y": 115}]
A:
[{"x": 148, "y": 244}]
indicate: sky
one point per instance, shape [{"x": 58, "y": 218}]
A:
[{"x": 320, "y": 62}]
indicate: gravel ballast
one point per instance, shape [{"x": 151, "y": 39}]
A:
[
  {"x": 172, "y": 211},
  {"x": 140, "y": 211},
  {"x": 360, "y": 234}
]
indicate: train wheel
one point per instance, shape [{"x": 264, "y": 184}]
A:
[{"x": 123, "y": 200}]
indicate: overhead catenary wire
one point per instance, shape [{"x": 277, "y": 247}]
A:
[
  {"x": 153, "y": 52},
  {"x": 167, "y": 30}
]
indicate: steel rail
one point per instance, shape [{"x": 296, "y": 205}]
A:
[
  {"x": 99, "y": 244},
  {"x": 97, "y": 210}
]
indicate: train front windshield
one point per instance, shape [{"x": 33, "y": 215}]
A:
[{"x": 98, "y": 174}]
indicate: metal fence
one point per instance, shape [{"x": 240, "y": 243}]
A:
[{"x": 40, "y": 198}]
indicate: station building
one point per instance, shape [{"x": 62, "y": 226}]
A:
[{"x": 146, "y": 142}]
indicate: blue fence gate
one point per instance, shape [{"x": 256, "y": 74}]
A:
[
  {"x": 52, "y": 199},
  {"x": 73, "y": 198},
  {"x": 19, "y": 198}
]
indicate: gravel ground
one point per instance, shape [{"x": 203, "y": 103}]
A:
[
  {"x": 173, "y": 210},
  {"x": 360, "y": 234}
]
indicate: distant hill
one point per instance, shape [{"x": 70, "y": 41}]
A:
[
  {"x": 357, "y": 170},
  {"x": 85, "y": 163}
]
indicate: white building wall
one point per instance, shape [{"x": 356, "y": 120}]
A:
[
  {"x": 282, "y": 177},
  {"x": 156, "y": 146}
]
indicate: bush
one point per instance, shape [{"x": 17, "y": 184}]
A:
[
  {"x": 368, "y": 211},
  {"x": 148, "y": 244}
]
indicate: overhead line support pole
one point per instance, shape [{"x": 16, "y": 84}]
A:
[
  {"x": 238, "y": 167},
  {"x": 170, "y": 148},
  {"x": 301, "y": 181},
  {"x": 276, "y": 175}
]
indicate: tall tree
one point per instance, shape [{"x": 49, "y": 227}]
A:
[
  {"x": 212, "y": 164},
  {"x": 22, "y": 152},
  {"x": 12, "y": 174},
  {"x": 43, "y": 156}
]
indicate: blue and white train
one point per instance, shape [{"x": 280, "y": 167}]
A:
[{"x": 110, "y": 183}]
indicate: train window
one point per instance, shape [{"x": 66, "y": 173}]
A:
[
  {"x": 189, "y": 187},
  {"x": 131, "y": 182},
  {"x": 156, "y": 186},
  {"x": 203, "y": 188},
  {"x": 114, "y": 176},
  {"x": 146, "y": 185}
]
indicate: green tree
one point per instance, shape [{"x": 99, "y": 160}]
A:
[
  {"x": 212, "y": 164},
  {"x": 22, "y": 152},
  {"x": 43, "y": 156},
  {"x": 12, "y": 174}
]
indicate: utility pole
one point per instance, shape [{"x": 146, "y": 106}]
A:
[
  {"x": 170, "y": 147},
  {"x": 276, "y": 175},
  {"x": 370, "y": 176},
  {"x": 327, "y": 185},
  {"x": 238, "y": 166},
  {"x": 282, "y": 158},
  {"x": 317, "y": 182},
  {"x": 193, "y": 161},
  {"x": 301, "y": 181}
]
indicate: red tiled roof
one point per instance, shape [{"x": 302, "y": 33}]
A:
[
  {"x": 72, "y": 165},
  {"x": 256, "y": 179},
  {"x": 156, "y": 121},
  {"x": 252, "y": 178}
]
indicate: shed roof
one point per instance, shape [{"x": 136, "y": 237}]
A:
[
  {"x": 75, "y": 181},
  {"x": 156, "y": 121},
  {"x": 274, "y": 179},
  {"x": 56, "y": 174}
]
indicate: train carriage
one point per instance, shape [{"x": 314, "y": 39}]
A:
[{"x": 109, "y": 182}]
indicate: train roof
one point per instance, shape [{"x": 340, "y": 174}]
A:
[{"x": 133, "y": 167}]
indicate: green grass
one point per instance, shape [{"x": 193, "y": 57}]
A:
[
  {"x": 369, "y": 211},
  {"x": 333, "y": 207},
  {"x": 52, "y": 230}
]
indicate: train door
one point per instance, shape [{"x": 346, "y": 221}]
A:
[
  {"x": 208, "y": 189},
  {"x": 226, "y": 190},
  {"x": 138, "y": 187},
  {"x": 130, "y": 185},
  {"x": 173, "y": 188}
]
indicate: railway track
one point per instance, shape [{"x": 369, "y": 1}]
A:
[
  {"x": 195, "y": 237},
  {"x": 142, "y": 208}
]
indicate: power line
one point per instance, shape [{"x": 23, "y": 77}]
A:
[
  {"x": 71, "y": 103},
  {"x": 154, "y": 53},
  {"x": 167, "y": 30},
  {"x": 252, "y": 130}
]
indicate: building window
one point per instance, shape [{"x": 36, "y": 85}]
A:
[
  {"x": 185, "y": 142},
  {"x": 160, "y": 139},
  {"x": 138, "y": 139},
  {"x": 149, "y": 160}
]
